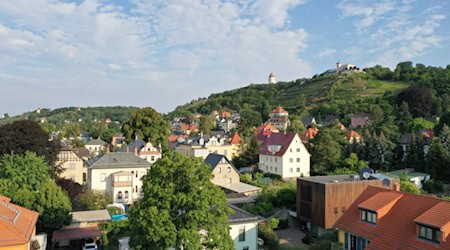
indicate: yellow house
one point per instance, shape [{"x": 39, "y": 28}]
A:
[
  {"x": 18, "y": 226},
  {"x": 203, "y": 145}
]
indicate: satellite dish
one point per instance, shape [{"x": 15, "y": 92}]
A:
[
  {"x": 365, "y": 173},
  {"x": 386, "y": 182}
]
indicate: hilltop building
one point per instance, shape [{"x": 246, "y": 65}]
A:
[
  {"x": 272, "y": 79},
  {"x": 343, "y": 68},
  {"x": 279, "y": 118}
]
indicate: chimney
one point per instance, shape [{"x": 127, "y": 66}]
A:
[
  {"x": 396, "y": 187},
  {"x": 135, "y": 151}
]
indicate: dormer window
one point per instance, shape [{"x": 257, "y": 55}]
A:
[
  {"x": 429, "y": 233},
  {"x": 368, "y": 216}
]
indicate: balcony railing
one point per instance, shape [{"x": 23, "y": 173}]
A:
[{"x": 122, "y": 183}]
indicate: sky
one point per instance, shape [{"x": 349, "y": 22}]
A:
[{"x": 165, "y": 53}]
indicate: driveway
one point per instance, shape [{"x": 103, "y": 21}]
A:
[{"x": 291, "y": 237}]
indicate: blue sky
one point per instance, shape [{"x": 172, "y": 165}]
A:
[{"x": 157, "y": 53}]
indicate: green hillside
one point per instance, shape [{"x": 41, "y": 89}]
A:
[{"x": 319, "y": 89}]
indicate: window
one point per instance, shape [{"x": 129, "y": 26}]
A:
[
  {"x": 369, "y": 216},
  {"x": 291, "y": 160},
  {"x": 229, "y": 181},
  {"x": 336, "y": 210},
  {"x": 102, "y": 177},
  {"x": 298, "y": 170},
  {"x": 126, "y": 194},
  {"x": 245, "y": 248},
  {"x": 136, "y": 174},
  {"x": 71, "y": 166},
  {"x": 298, "y": 159},
  {"x": 241, "y": 233},
  {"x": 276, "y": 170},
  {"x": 137, "y": 190},
  {"x": 298, "y": 149},
  {"x": 219, "y": 170},
  {"x": 276, "y": 159},
  {"x": 290, "y": 150},
  {"x": 152, "y": 158},
  {"x": 229, "y": 169},
  {"x": 430, "y": 233},
  {"x": 119, "y": 195}
]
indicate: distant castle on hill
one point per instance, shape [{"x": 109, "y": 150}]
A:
[{"x": 343, "y": 68}]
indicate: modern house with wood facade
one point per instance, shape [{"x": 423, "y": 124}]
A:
[{"x": 321, "y": 200}]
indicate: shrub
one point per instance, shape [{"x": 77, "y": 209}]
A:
[{"x": 265, "y": 232}]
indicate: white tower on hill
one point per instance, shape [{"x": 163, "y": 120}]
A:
[{"x": 272, "y": 78}]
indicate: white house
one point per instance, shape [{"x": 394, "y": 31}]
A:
[
  {"x": 96, "y": 146},
  {"x": 284, "y": 154},
  {"x": 119, "y": 174},
  {"x": 243, "y": 229}
]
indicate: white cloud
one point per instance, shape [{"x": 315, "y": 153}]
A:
[
  {"x": 326, "y": 53},
  {"x": 181, "y": 48},
  {"x": 369, "y": 13}
]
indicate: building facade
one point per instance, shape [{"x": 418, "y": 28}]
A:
[{"x": 73, "y": 166}]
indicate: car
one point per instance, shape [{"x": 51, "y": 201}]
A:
[
  {"x": 90, "y": 245},
  {"x": 308, "y": 239}
]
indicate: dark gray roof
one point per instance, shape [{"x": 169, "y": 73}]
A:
[
  {"x": 307, "y": 121},
  {"x": 117, "y": 160},
  {"x": 97, "y": 142},
  {"x": 214, "y": 159},
  {"x": 136, "y": 143},
  {"x": 240, "y": 215}
]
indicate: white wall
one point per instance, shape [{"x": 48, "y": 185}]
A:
[
  {"x": 251, "y": 235},
  {"x": 95, "y": 182}
]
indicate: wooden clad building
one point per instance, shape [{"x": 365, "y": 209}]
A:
[{"x": 321, "y": 200}]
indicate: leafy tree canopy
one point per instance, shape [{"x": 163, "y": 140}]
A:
[{"x": 181, "y": 208}]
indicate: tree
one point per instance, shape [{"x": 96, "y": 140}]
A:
[
  {"x": 438, "y": 161},
  {"x": 326, "y": 153},
  {"x": 249, "y": 119},
  {"x": 207, "y": 124},
  {"x": 419, "y": 100},
  {"x": 54, "y": 208},
  {"x": 181, "y": 208},
  {"x": 409, "y": 187},
  {"x": 92, "y": 200},
  {"x": 21, "y": 136},
  {"x": 71, "y": 130},
  {"x": 415, "y": 156},
  {"x": 296, "y": 125},
  {"x": 404, "y": 117},
  {"x": 250, "y": 155},
  {"x": 149, "y": 125},
  {"x": 25, "y": 179}
]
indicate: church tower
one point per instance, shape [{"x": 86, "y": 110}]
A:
[{"x": 272, "y": 79}]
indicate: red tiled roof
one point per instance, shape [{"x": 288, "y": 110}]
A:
[
  {"x": 235, "y": 139},
  {"x": 225, "y": 114},
  {"x": 428, "y": 133},
  {"x": 397, "y": 229},
  {"x": 309, "y": 134},
  {"x": 282, "y": 139},
  {"x": 16, "y": 223},
  {"x": 266, "y": 127},
  {"x": 353, "y": 134},
  {"x": 279, "y": 110},
  {"x": 380, "y": 200},
  {"x": 437, "y": 216}
]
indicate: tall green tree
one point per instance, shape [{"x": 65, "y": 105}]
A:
[
  {"x": 438, "y": 162},
  {"x": 296, "y": 125},
  {"x": 181, "y": 208},
  {"x": 404, "y": 117},
  {"x": 25, "y": 179},
  {"x": 250, "y": 154},
  {"x": 22, "y": 136},
  {"x": 415, "y": 156},
  {"x": 207, "y": 124},
  {"x": 149, "y": 125},
  {"x": 326, "y": 153}
]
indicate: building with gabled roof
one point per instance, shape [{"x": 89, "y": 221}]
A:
[
  {"x": 227, "y": 176},
  {"x": 387, "y": 219},
  {"x": 17, "y": 226},
  {"x": 119, "y": 174},
  {"x": 243, "y": 229},
  {"x": 279, "y": 118},
  {"x": 96, "y": 146},
  {"x": 284, "y": 154}
]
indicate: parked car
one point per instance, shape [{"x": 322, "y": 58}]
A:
[{"x": 90, "y": 245}]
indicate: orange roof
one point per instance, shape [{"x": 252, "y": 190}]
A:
[
  {"x": 353, "y": 134},
  {"x": 379, "y": 201},
  {"x": 17, "y": 223},
  {"x": 437, "y": 216},
  {"x": 184, "y": 127},
  {"x": 225, "y": 114},
  {"x": 235, "y": 139},
  {"x": 279, "y": 110},
  {"x": 398, "y": 228},
  {"x": 266, "y": 127},
  {"x": 309, "y": 134},
  {"x": 428, "y": 133}
]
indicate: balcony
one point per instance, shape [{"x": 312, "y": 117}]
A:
[{"x": 122, "y": 183}]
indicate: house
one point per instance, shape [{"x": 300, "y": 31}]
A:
[
  {"x": 84, "y": 225},
  {"x": 386, "y": 219},
  {"x": 284, "y": 154},
  {"x": 322, "y": 200},
  {"x": 343, "y": 68},
  {"x": 202, "y": 145},
  {"x": 17, "y": 226},
  {"x": 150, "y": 153},
  {"x": 134, "y": 146},
  {"x": 243, "y": 229},
  {"x": 353, "y": 137},
  {"x": 308, "y": 121},
  {"x": 118, "y": 141},
  {"x": 226, "y": 124},
  {"x": 405, "y": 141},
  {"x": 279, "y": 118},
  {"x": 359, "y": 121},
  {"x": 72, "y": 164},
  {"x": 226, "y": 176},
  {"x": 186, "y": 128},
  {"x": 264, "y": 130},
  {"x": 96, "y": 146},
  {"x": 309, "y": 134},
  {"x": 119, "y": 174},
  {"x": 417, "y": 178}
]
